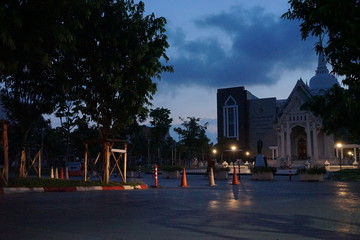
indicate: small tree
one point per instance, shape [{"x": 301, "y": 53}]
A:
[
  {"x": 193, "y": 137},
  {"x": 161, "y": 123}
]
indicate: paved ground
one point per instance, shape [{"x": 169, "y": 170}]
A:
[{"x": 279, "y": 209}]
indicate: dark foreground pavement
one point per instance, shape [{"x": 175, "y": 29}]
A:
[{"x": 279, "y": 209}]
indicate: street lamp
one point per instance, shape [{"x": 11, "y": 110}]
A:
[
  {"x": 214, "y": 151},
  {"x": 339, "y": 146},
  {"x": 233, "y": 149}
]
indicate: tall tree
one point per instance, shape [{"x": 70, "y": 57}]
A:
[
  {"x": 339, "y": 22},
  {"x": 30, "y": 36},
  {"x": 119, "y": 53},
  {"x": 193, "y": 136}
]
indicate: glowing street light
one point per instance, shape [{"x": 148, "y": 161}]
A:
[
  {"x": 233, "y": 149},
  {"x": 339, "y": 145}
]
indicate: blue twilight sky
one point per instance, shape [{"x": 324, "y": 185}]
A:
[{"x": 219, "y": 44}]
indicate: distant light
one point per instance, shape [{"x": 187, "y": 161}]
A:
[
  {"x": 233, "y": 148},
  {"x": 214, "y": 151},
  {"x": 247, "y": 153},
  {"x": 339, "y": 145}
]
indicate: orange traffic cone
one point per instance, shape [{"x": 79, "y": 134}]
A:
[
  {"x": 183, "y": 179},
  {"x": 235, "y": 179}
]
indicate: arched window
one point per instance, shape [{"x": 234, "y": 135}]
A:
[{"x": 230, "y": 110}]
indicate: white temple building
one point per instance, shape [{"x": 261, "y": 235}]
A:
[
  {"x": 300, "y": 134},
  {"x": 288, "y": 133}
]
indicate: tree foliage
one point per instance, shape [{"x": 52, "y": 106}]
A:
[
  {"x": 119, "y": 52},
  {"x": 193, "y": 136},
  {"x": 31, "y": 34},
  {"x": 100, "y": 54},
  {"x": 161, "y": 121},
  {"x": 339, "y": 109},
  {"x": 339, "y": 22}
]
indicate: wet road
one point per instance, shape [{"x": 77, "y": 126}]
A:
[{"x": 279, "y": 209}]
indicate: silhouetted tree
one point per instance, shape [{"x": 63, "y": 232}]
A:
[
  {"x": 193, "y": 137},
  {"x": 339, "y": 22}
]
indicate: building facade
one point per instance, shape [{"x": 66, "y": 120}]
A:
[{"x": 287, "y": 132}]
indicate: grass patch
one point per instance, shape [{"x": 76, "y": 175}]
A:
[
  {"x": 46, "y": 182},
  {"x": 346, "y": 174}
]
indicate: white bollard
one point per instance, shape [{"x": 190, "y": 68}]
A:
[
  {"x": 52, "y": 173},
  {"x": 211, "y": 178},
  {"x": 56, "y": 173}
]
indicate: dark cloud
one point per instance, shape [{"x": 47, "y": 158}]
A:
[{"x": 259, "y": 42}]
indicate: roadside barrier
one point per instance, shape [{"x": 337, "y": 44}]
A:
[
  {"x": 235, "y": 179},
  {"x": 183, "y": 179}
]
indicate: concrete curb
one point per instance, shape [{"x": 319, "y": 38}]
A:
[{"x": 9, "y": 190}]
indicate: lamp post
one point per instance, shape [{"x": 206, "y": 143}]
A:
[{"x": 339, "y": 146}]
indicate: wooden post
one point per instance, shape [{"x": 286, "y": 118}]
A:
[
  {"x": 86, "y": 162},
  {"x": 6, "y": 152},
  {"x": 106, "y": 162},
  {"x": 125, "y": 160},
  {"x": 39, "y": 166},
  {"x": 22, "y": 167}
]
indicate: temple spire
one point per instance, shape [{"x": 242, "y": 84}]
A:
[{"x": 321, "y": 69}]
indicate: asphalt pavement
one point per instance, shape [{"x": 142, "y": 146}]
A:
[{"x": 278, "y": 209}]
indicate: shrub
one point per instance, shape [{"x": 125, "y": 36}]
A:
[
  {"x": 260, "y": 169},
  {"x": 313, "y": 170}
]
